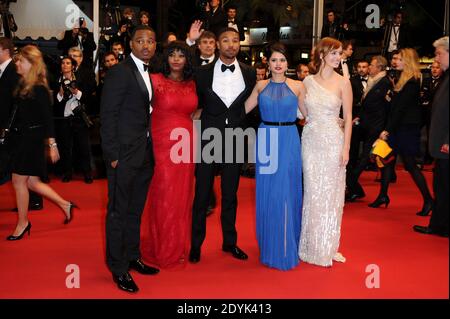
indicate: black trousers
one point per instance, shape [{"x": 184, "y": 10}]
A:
[
  {"x": 353, "y": 173},
  {"x": 230, "y": 175},
  {"x": 439, "y": 219},
  {"x": 69, "y": 131},
  {"x": 127, "y": 193},
  {"x": 354, "y": 146}
]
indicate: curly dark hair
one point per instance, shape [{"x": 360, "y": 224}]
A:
[{"x": 188, "y": 71}]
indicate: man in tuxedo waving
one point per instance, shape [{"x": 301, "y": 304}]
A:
[
  {"x": 128, "y": 151},
  {"x": 222, "y": 88}
]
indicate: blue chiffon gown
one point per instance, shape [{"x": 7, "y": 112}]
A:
[{"x": 278, "y": 180}]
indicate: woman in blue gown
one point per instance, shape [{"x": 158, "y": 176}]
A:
[{"x": 278, "y": 164}]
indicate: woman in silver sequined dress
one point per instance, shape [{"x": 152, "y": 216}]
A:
[{"x": 325, "y": 154}]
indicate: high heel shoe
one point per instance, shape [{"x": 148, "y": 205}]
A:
[
  {"x": 27, "y": 229},
  {"x": 70, "y": 218},
  {"x": 426, "y": 209},
  {"x": 381, "y": 200}
]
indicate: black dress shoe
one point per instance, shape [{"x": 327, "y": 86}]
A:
[
  {"x": 142, "y": 268},
  {"x": 194, "y": 256},
  {"x": 126, "y": 283},
  {"x": 88, "y": 179},
  {"x": 236, "y": 252},
  {"x": 352, "y": 197},
  {"x": 66, "y": 179},
  {"x": 429, "y": 231}
]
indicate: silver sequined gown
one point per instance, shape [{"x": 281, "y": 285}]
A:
[{"x": 324, "y": 177}]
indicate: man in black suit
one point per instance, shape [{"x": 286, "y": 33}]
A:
[
  {"x": 372, "y": 118},
  {"x": 222, "y": 88},
  {"x": 214, "y": 17},
  {"x": 439, "y": 148},
  {"x": 128, "y": 151},
  {"x": 234, "y": 23},
  {"x": 8, "y": 82},
  {"x": 359, "y": 84},
  {"x": 346, "y": 66},
  {"x": 79, "y": 37},
  {"x": 332, "y": 27},
  {"x": 397, "y": 36},
  {"x": 202, "y": 44}
]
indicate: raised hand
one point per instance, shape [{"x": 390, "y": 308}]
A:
[{"x": 196, "y": 30}]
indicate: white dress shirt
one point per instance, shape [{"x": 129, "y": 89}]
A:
[
  {"x": 3, "y": 66},
  {"x": 233, "y": 25},
  {"x": 228, "y": 85},
  {"x": 210, "y": 59},
  {"x": 145, "y": 76},
  {"x": 393, "y": 43}
]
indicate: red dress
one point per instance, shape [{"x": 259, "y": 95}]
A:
[{"x": 166, "y": 220}]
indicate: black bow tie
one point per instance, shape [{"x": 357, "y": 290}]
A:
[
  {"x": 231, "y": 21},
  {"x": 229, "y": 67},
  {"x": 364, "y": 79},
  {"x": 396, "y": 25},
  {"x": 146, "y": 68},
  {"x": 344, "y": 62},
  {"x": 206, "y": 61}
]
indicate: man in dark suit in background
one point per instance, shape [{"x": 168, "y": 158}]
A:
[
  {"x": 128, "y": 151},
  {"x": 79, "y": 37},
  {"x": 397, "y": 36},
  {"x": 372, "y": 118},
  {"x": 234, "y": 23},
  {"x": 359, "y": 84},
  {"x": 439, "y": 148},
  {"x": 214, "y": 17},
  {"x": 8, "y": 83},
  {"x": 222, "y": 88}
]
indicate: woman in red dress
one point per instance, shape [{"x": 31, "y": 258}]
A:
[{"x": 166, "y": 221}]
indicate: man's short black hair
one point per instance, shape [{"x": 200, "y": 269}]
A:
[
  {"x": 141, "y": 28},
  {"x": 227, "y": 29},
  {"x": 231, "y": 7}
]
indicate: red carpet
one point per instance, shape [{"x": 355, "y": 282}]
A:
[{"x": 411, "y": 265}]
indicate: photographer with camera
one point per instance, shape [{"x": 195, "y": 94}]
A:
[
  {"x": 123, "y": 36},
  {"x": 79, "y": 37},
  {"x": 72, "y": 122}
]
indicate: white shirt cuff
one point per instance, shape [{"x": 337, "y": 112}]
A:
[{"x": 189, "y": 42}]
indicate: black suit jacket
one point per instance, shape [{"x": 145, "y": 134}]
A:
[
  {"x": 215, "y": 113},
  {"x": 215, "y": 21},
  {"x": 439, "y": 120},
  {"x": 125, "y": 115},
  {"x": 8, "y": 83},
  {"x": 374, "y": 107}
]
